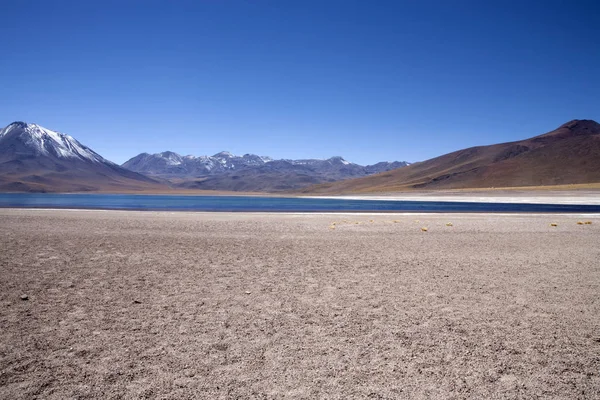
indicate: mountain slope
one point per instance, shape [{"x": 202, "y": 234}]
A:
[
  {"x": 568, "y": 155},
  {"x": 33, "y": 158}
]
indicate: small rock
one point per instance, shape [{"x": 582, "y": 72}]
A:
[
  {"x": 189, "y": 374},
  {"x": 181, "y": 382},
  {"x": 24, "y": 297},
  {"x": 137, "y": 302},
  {"x": 247, "y": 292}
]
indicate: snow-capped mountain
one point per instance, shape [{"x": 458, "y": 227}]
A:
[
  {"x": 250, "y": 172},
  {"x": 169, "y": 164},
  {"x": 33, "y": 158},
  {"x": 35, "y": 140}
]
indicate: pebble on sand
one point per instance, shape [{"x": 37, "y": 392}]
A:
[
  {"x": 553, "y": 224},
  {"x": 24, "y": 297},
  {"x": 424, "y": 229}
]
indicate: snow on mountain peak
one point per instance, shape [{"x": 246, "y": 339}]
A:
[
  {"x": 50, "y": 143},
  {"x": 171, "y": 158},
  {"x": 224, "y": 154},
  {"x": 339, "y": 159}
]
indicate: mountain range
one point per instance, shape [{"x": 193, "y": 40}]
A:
[
  {"x": 569, "y": 154},
  {"x": 250, "y": 172},
  {"x": 33, "y": 158}
]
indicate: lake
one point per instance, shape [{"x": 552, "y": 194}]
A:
[{"x": 267, "y": 204}]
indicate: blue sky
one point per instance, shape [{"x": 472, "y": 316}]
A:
[{"x": 368, "y": 80}]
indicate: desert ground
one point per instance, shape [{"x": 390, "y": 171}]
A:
[{"x": 161, "y": 305}]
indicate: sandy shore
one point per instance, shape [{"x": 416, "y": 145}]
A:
[
  {"x": 581, "y": 196},
  {"x": 217, "y": 306}
]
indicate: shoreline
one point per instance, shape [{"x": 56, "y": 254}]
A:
[
  {"x": 308, "y": 213},
  {"x": 549, "y": 196},
  {"x": 588, "y": 197},
  {"x": 291, "y": 212}
]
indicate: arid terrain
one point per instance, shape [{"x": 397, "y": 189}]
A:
[
  {"x": 566, "y": 156},
  {"x": 111, "y": 305}
]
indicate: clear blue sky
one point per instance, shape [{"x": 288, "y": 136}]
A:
[{"x": 368, "y": 80}]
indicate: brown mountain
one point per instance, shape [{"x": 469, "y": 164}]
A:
[
  {"x": 567, "y": 155},
  {"x": 36, "y": 159}
]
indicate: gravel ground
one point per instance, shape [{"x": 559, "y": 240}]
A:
[{"x": 111, "y": 305}]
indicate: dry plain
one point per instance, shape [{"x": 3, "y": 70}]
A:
[{"x": 222, "y": 306}]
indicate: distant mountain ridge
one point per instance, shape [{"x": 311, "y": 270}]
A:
[
  {"x": 33, "y": 158},
  {"x": 171, "y": 164},
  {"x": 250, "y": 172},
  {"x": 569, "y": 154}
]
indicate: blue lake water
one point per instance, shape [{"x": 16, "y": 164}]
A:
[{"x": 270, "y": 204}]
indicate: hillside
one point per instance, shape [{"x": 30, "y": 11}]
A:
[{"x": 569, "y": 154}]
